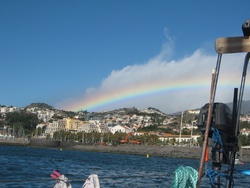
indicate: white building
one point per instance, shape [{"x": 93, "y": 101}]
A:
[
  {"x": 88, "y": 127},
  {"x": 183, "y": 139},
  {"x": 55, "y": 126},
  {"x": 245, "y": 132},
  {"x": 3, "y": 109},
  {"x": 41, "y": 125},
  {"x": 102, "y": 128},
  {"x": 45, "y": 115},
  {"x": 193, "y": 111},
  {"x": 121, "y": 129},
  {"x": 7, "y": 109}
]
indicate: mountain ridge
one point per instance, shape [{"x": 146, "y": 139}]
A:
[{"x": 245, "y": 108}]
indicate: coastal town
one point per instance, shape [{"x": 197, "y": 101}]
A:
[{"x": 131, "y": 124}]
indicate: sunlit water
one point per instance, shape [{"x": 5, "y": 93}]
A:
[{"x": 31, "y": 167}]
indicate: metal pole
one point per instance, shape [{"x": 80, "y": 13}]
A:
[
  {"x": 244, "y": 73},
  {"x": 233, "y": 150},
  {"x": 214, "y": 80},
  {"x": 191, "y": 143},
  {"x": 207, "y": 131},
  {"x": 233, "y": 153},
  {"x": 180, "y": 128}
]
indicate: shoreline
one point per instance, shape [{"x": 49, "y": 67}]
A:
[{"x": 147, "y": 150}]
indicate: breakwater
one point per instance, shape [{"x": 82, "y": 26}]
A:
[
  {"x": 14, "y": 142},
  {"x": 44, "y": 143},
  {"x": 164, "y": 151},
  {"x": 38, "y": 143}
]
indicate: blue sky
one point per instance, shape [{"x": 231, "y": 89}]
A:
[{"x": 64, "y": 52}]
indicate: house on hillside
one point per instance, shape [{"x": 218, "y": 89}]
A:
[
  {"x": 121, "y": 129},
  {"x": 245, "y": 132},
  {"x": 193, "y": 111}
]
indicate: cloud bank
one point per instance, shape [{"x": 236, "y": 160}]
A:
[{"x": 163, "y": 83}]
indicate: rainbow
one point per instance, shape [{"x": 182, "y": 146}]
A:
[{"x": 102, "y": 99}]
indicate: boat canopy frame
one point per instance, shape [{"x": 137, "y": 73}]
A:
[{"x": 225, "y": 46}]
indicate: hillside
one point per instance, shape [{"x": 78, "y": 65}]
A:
[
  {"x": 39, "y": 105},
  {"x": 150, "y": 110},
  {"x": 245, "y": 106}
]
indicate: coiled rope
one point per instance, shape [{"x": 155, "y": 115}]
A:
[{"x": 185, "y": 177}]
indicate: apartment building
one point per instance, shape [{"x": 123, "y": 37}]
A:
[
  {"x": 87, "y": 127},
  {"x": 59, "y": 125},
  {"x": 73, "y": 124}
]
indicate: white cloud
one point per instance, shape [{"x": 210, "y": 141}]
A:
[
  {"x": 196, "y": 68},
  {"x": 191, "y": 77}
]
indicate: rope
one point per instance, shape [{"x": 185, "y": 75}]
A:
[
  {"x": 185, "y": 177},
  {"x": 217, "y": 140},
  {"x": 216, "y": 137},
  {"x": 212, "y": 174}
]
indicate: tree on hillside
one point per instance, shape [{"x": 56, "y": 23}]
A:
[
  {"x": 244, "y": 124},
  {"x": 40, "y": 105},
  {"x": 244, "y": 140},
  {"x": 22, "y": 123}
]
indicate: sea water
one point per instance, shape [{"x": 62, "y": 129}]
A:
[{"x": 31, "y": 167}]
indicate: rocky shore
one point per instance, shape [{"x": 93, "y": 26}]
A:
[{"x": 163, "y": 151}]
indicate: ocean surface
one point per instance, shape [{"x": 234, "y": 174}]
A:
[{"x": 31, "y": 167}]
